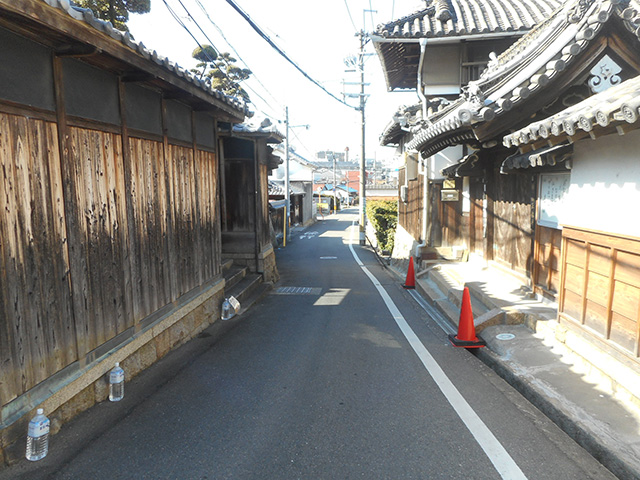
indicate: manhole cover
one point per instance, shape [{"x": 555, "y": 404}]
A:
[
  {"x": 297, "y": 291},
  {"x": 505, "y": 336}
]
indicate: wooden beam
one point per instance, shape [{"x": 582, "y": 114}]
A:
[
  {"x": 613, "y": 255},
  {"x": 75, "y": 246},
  {"x": 41, "y": 20},
  {"x": 130, "y": 286},
  {"x": 585, "y": 284},
  {"x": 137, "y": 77},
  {"x": 77, "y": 51}
]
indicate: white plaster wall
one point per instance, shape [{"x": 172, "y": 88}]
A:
[
  {"x": 605, "y": 185},
  {"x": 297, "y": 172},
  {"x": 444, "y": 158}
]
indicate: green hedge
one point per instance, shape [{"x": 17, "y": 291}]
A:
[{"x": 383, "y": 215}]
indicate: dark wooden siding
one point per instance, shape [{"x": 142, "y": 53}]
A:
[
  {"x": 513, "y": 214},
  {"x": 410, "y": 213},
  {"x": 91, "y": 247},
  {"x": 264, "y": 231},
  {"x": 546, "y": 271},
  {"x": 37, "y": 334},
  {"x": 476, "y": 223}
]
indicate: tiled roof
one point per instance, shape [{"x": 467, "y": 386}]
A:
[
  {"x": 270, "y": 132},
  {"x": 467, "y": 17},
  {"x": 404, "y": 119},
  {"x": 532, "y": 64},
  {"x": 397, "y": 42},
  {"x": 617, "y": 108},
  {"x": 87, "y": 17},
  {"x": 276, "y": 189}
]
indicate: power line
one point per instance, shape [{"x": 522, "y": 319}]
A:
[
  {"x": 350, "y": 17},
  {"x": 371, "y": 10},
  {"x": 211, "y": 60},
  {"x": 181, "y": 23},
  {"x": 282, "y": 53},
  {"x": 239, "y": 58}
]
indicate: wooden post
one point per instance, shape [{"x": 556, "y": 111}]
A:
[{"x": 75, "y": 246}]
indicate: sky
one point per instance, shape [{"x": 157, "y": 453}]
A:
[{"x": 317, "y": 36}]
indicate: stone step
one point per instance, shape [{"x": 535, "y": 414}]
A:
[
  {"x": 227, "y": 263},
  {"x": 234, "y": 275},
  {"x": 244, "y": 288}
]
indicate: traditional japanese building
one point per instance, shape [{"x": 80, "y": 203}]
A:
[
  {"x": 438, "y": 51},
  {"x": 549, "y": 182},
  {"x": 110, "y": 224}
]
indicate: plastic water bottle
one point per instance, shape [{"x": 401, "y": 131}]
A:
[
  {"x": 226, "y": 309},
  {"x": 38, "y": 437},
  {"x": 116, "y": 383}
]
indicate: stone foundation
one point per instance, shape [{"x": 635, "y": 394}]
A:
[{"x": 79, "y": 387}]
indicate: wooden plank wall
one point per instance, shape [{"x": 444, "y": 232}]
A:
[
  {"x": 454, "y": 225},
  {"x": 546, "y": 270},
  {"x": 600, "y": 286},
  {"x": 90, "y": 248},
  {"x": 263, "y": 206},
  {"x": 476, "y": 227},
  {"x": 37, "y": 334},
  {"x": 513, "y": 219},
  {"x": 410, "y": 213}
]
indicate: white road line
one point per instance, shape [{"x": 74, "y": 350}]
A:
[{"x": 498, "y": 456}]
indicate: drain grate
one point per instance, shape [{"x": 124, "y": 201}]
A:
[{"x": 297, "y": 291}]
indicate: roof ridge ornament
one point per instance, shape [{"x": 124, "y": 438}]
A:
[
  {"x": 605, "y": 75},
  {"x": 576, "y": 13},
  {"x": 442, "y": 10}
]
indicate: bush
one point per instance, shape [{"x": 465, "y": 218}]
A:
[{"x": 383, "y": 215}]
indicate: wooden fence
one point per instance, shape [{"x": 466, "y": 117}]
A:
[
  {"x": 93, "y": 243},
  {"x": 410, "y": 212},
  {"x": 600, "y": 286},
  {"x": 513, "y": 203}
]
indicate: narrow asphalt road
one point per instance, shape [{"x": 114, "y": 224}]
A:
[{"x": 327, "y": 380}]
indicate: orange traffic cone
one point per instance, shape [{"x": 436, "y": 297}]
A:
[
  {"x": 410, "y": 282},
  {"x": 466, "y": 336}
]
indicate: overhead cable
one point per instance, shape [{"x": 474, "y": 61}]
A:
[
  {"x": 254, "y": 77},
  {"x": 211, "y": 60},
  {"x": 282, "y": 53},
  {"x": 350, "y": 17}
]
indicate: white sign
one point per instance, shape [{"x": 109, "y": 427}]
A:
[{"x": 551, "y": 199}]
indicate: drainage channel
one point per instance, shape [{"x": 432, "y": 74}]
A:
[{"x": 297, "y": 291}]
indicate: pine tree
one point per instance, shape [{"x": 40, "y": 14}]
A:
[
  {"x": 115, "y": 11},
  {"x": 220, "y": 71}
]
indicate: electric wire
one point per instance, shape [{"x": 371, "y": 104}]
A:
[
  {"x": 183, "y": 25},
  {"x": 177, "y": 18},
  {"x": 373, "y": 25},
  {"x": 254, "y": 77},
  {"x": 355, "y": 29},
  {"x": 266, "y": 38}
]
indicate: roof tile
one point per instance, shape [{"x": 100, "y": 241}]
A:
[{"x": 463, "y": 17}]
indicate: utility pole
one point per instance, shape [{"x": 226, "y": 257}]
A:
[
  {"x": 335, "y": 199},
  {"x": 346, "y": 156},
  {"x": 287, "y": 215},
  {"x": 362, "y": 153}
]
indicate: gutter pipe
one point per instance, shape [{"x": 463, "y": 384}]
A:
[{"x": 425, "y": 170}]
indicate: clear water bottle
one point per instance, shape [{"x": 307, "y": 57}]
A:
[
  {"x": 38, "y": 437},
  {"x": 226, "y": 309},
  {"x": 116, "y": 383}
]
